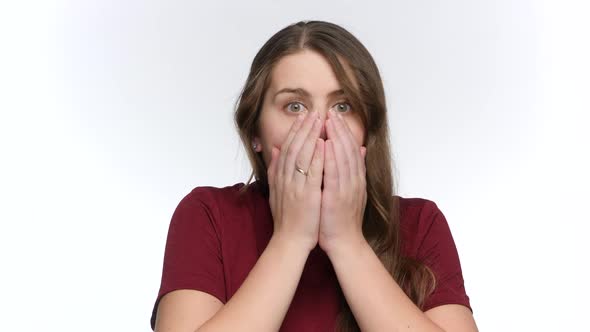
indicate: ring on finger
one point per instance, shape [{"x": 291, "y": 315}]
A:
[{"x": 300, "y": 170}]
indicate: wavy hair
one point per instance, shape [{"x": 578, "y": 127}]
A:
[{"x": 381, "y": 220}]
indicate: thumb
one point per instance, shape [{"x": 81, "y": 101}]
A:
[
  {"x": 363, "y": 151},
  {"x": 273, "y": 165},
  {"x": 317, "y": 163}
]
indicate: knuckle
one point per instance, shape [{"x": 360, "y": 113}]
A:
[
  {"x": 291, "y": 151},
  {"x": 298, "y": 162}
]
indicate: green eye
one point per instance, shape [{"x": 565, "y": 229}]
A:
[
  {"x": 340, "y": 109},
  {"x": 297, "y": 110}
]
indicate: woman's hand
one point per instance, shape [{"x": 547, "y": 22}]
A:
[
  {"x": 293, "y": 197},
  {"x": 344, "y": 196}
]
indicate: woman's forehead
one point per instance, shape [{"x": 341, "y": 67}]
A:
[{"x": 306, "y": 74}]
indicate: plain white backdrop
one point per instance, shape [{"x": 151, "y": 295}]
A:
[{"x": 112, "y": 111}]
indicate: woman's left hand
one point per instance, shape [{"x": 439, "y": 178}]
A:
[{"x": 344, "y": 196}]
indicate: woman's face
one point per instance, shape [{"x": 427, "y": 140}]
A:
[{"x": 310, "y": 72}]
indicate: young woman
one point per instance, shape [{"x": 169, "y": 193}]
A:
[{"x": 319, "y": 241}]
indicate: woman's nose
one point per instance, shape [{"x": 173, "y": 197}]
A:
[{"x": 323, "y": 133}]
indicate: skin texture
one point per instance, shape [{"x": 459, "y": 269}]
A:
[
  {"x": 324, "y": 208},
  {"x": 343, "y": 194},
  {"x": 310, "y": 71},
  {"x": 335, "y": 139}
]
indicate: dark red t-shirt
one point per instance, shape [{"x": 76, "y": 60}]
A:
[{"x": 215, "y": 238}]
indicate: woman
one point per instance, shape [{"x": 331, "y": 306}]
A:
[{"x": 319, "y": 241}]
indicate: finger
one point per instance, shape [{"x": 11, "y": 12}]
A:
[
  {"x": 304, "y": 158},
  {"x": 347, "y": 141},
  {"x": 316, "y": 168},
  {"x": 360, "y": 161},
  {"x": 342, "y": 163},
  {"x": 295, "y": 147},
  {"x": 330, "y": 169},
  {"x": 283, "y": 153},
  {"x": 271, "y": 171},
  {"x": 362, "y": 165}
]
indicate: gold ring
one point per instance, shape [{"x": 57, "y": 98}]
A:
[{"x": 300, "y": 170}]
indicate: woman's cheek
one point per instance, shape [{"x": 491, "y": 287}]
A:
[
  {"x": 276, "y": 128},
  {"x": 357, "y": 131},
  {"x": 281, "y": 132}
]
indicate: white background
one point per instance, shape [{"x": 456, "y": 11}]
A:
[{"x": 112, "y": 111}]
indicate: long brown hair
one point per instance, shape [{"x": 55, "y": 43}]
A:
[{"x": 382, "y": 216}]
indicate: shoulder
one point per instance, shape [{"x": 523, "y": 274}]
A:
[
  {"x": 212, "y": 193},
  {"x": 416, "y": 211},
  {"x": 214, "y": 198},
  {"x": 223, "y": 204},
  {"x": 210, "y": 202},
  {"x": 427, "y": 237},
  {"x": 415, "y": 203},
  {"x": 421, "y": 220}
]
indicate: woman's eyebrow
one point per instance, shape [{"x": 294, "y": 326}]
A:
[{"x": 304, "y": 93}]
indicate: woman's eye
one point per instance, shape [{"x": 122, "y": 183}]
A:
[
  {"x": 293, "y": 109},
  {"x": 346, "y": 107},
  {"x": 297, "y": 107}
]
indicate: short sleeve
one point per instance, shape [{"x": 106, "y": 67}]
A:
[
  {"x": 439, "y": 252},
  {"x": 192, "y": 257}
]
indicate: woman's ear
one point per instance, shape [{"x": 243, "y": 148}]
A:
[{"x": 256, "y": 146}]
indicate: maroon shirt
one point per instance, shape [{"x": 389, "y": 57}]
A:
[{"x": 215, "y": 238}]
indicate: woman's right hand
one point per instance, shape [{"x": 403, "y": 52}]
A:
[{"x": 294, "y": 198}]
